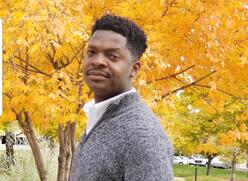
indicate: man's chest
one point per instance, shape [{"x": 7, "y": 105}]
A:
[{"x": 100, "y": 157}]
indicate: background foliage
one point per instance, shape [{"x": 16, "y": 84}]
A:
[{"x": 197, "y": 49}]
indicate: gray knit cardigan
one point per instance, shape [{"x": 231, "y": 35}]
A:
[{"x": 127, "y": 144}]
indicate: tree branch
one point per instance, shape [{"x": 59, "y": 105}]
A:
[
  {"x": 199, "y": 15},
  {"x": 30, "y": 70},
  {"x": 167, "y": 7},
  {"x": 79, "y": 60},
  {"x": 38, "y": 70},
  {"x": 207, "y": 86},
  {"x": 199, "y": 95},
  {"x": 7, "y": 95},
  {"x": 172, "y": 75},
  {"x": 50, "y": 57},
  {"x": 25, "y": 79},
  {"x": 188, "y": 85},
  {"x": 68, "y": 61},
  {"x": 77, "y": 52}
]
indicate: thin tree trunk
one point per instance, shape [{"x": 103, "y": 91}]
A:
[
  {"x": 10, "y": 141},
  {"x": 210, "y": 158},
  {"x": 208, "y": 166},
  {"x": 66, "y": 150},
  {"x": 233, "y": 171},
  {"x": 61, "y": 159},
  {"x": 28, "y": 130}
]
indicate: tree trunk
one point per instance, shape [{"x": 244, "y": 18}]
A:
[
  {"x": 28, "y": 130},
  {"x": 233, "y": 171},
  {"x": 10, "y": 141},
  {"x": 208, "y": 166},
  {"x": 66, "y": 150},
  {"x": 210, "y": 158}
]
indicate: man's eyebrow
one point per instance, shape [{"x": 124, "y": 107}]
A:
[
  {"x": 113, "y": 49},
  {"x": 91, "y": 46},
  {"x": 108, "y": 49}
]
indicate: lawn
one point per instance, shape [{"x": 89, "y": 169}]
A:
[
  {"x": 25, "y": 169},
  {"x": 187, "y": 172}
]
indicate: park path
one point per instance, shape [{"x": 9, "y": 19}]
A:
[{"x": 179, "y": 179}]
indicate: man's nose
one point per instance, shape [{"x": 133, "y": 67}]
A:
[{"x": 99, "y": 60}]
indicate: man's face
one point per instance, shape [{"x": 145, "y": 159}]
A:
[{"x": 108, "y": 65}]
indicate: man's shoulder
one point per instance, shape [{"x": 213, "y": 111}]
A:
[
  {"x": 129, "y": 104},
  {"x": 138, "y": 111},
  {"x": 140, "y": 119},
  {"x": 132, "y": 114}
]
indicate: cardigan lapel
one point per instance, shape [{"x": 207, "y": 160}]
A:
[{"x": 125, "y": 100}]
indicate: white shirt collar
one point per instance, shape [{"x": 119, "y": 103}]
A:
[{"x": 94, "y": 111}]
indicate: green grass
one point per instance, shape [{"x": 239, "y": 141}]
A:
[
  {"x": 25, "y": 168},
  {"x": 187, "y": 172}
]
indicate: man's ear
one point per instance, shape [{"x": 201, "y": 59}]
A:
[{"x": 135, "y": 68}]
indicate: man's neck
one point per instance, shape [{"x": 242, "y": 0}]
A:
[{"x": 100, "y": 98}]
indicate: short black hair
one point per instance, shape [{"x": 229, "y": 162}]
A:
[{"x": 136, "y": 37}]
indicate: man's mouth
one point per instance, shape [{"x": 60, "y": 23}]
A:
[{"x": 97, "y": 73}]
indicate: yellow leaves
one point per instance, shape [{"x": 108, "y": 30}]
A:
[
  {"x": 59, "y": 27},
  {"x": 18, "y": 15},
  {"x": 17, "y": 4},
  {"x": 18, "y": 103},
  {"x": 34, "y": 98},
  {"x": 218, "y": 99},
  {"x": 235, "y": 137},
  {"x": 227, "y": 139},
  {"x": 59, "y": 53},
  {"x": 243, "y": 133},
  {"x": 22, "y": 42},
  {"x": 244, "y": 116},
  {"x": 35, "y": 48},
  {"x": 207, "y": 148},
  {"x": 213, "y": 85},
  {"x": 205, "y": 34},
  {"x": 69, "y": 116},
  {"x": 142, "y": 83},
  {"x": 62, "y": 51},
  {"x": 3, "y": 9},
  {"x": 243, "y": 128},
  {"x": 243, "y": 61},
  {"x": 87, "y": 20},
  {"x": 219, "y": 121}
]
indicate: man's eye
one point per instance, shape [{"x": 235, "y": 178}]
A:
[
  {"x": 113, "y": 57},
  {"x": 90, "y": 52}
]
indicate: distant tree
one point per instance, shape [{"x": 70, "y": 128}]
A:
[{"x": 235, "y": 139}]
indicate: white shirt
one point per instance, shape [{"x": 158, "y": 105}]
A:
[{"x": 94, "y": 111}]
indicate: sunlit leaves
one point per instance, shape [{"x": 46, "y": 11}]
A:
[{"x": 43, "y": 53}]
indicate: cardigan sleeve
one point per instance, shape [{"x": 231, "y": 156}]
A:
[{"x": 148, "y": 156}]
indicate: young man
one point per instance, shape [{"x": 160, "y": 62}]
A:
[{"x": 124, "y": 140}]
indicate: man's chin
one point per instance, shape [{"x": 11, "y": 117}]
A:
[
  {"x": 101, "y": 94},
  {"x": 98, "y": 88}
]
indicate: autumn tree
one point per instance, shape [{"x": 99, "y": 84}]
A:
[
  {"x": 43, "y": 61},
  {"x": 235, "y": 139},
  {"x": 195, "y": 46},
  {"x": 195, "y": 130},
  {"x": 209, "y": 133}
]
